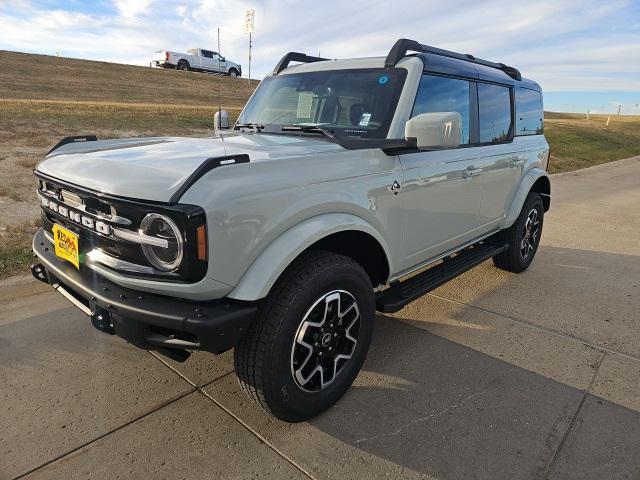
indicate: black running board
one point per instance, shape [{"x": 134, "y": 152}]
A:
[{"x": 402, "y": 293}]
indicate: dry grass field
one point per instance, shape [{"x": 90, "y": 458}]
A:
[
  {"x": 579, "y": 143},
  {"x": 43, "y": 99}
]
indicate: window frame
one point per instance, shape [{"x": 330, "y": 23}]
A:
[
  {"x": 473, "y": 94},
  {"x": 474, "y": 109},
  {"x": 515, "y": 106},
  {"x": 512, "y": 101}
]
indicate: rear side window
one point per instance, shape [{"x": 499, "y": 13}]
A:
[
  {"x": 529, "y": 114},
  {"x": 494, "y": 105},
  {"x": 441, "y": 94}
]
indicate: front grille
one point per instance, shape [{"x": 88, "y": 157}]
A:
[{"x": 95, "y": 216}]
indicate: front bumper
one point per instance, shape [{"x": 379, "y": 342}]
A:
[{"x": 143, "y": 319}]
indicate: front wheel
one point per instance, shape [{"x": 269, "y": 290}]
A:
[
  {"x": 310, "y": 339},
  {"x": 233, "y": 73},
  {"x": 523, "y": 236}
]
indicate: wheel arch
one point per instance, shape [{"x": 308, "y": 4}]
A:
[
  {"x": 542, "y": 186},
  {"x": 535, "y": 180},
  {"x": 346, "y": 234}
]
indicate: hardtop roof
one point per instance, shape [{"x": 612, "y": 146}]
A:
[{"x": 432, "y": 63}]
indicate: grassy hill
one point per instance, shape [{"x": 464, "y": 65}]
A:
[
  {"x": 44, "y": 77},
  {"x": 44, "y": 98}
]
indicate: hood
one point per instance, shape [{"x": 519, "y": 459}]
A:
[{"x": 154, "y": 168}]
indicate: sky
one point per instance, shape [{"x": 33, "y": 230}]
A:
[{"x": 584, "y": 53}]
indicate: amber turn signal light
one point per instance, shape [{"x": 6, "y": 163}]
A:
[{"x": 202, "y": 242}]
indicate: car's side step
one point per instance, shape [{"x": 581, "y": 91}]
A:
[{"x": 400, "y": 294}]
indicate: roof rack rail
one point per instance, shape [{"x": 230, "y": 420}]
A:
[
  {"x": 402, "y": 46},
  {"x": 295, "y": 57}
]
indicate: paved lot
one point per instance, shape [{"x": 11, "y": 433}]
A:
[{"x": 494, "y": 376}]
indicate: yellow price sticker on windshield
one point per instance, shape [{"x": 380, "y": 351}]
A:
[{"x": 66, "y": 245}]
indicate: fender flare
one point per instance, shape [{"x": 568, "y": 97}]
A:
[
  {"x": 520, "y": 196},
  {"x": 267, "y": 268}
]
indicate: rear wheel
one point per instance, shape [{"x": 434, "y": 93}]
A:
[
  {"x": 523, "y": 236},
  {"x": 310, "y": 338},
  {"x": 183, "y": 65}
]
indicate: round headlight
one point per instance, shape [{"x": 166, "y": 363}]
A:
[{"x": 166, "y": 258}]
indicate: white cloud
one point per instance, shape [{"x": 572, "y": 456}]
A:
[{"x": 131, "y": 8}]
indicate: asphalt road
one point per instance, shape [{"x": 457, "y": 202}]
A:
[{"x": 493, "y": 376}]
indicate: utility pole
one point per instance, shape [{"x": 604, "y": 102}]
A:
[
  {"x": 619, "y": 108},
  {"x": 219, "y": 79},
  {"x": 248, "y": 28}
]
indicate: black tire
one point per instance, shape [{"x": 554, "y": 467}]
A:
[
  {"x": 233, "y": 73},
  {"x": 183, "y": 65},
  {"x": 523, "y": 236},
  {"x": 269, "y": 357}
]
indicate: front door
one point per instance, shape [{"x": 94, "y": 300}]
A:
[
  {"x": 441, "y": 189},
  {"x": 219, "y": 63},
  {"x": 441, "y": 194}
]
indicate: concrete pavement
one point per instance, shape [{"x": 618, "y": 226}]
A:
[{"x": 494, "y": 375}]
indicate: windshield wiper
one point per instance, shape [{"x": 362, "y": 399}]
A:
[
  {"x": 308, "y": 129},
  {"x": 256, "y": 127}
]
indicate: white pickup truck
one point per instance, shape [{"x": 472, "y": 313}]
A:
[{"x": 197, "y": 59}]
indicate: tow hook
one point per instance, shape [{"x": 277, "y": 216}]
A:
[
  {"x": 39, "y": 272},
  {"x": 102, "y": 321}
]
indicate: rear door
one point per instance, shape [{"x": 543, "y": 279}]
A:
[
  {"x": 206, "y": 60},
  {"x": 502, "y": 163}
]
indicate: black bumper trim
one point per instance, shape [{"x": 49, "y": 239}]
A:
[{"x": 144, "y": 319}]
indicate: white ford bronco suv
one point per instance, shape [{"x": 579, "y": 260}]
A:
[{"x": 346, "y": 187}]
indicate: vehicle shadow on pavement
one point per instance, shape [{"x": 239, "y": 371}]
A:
[
  {"x": 490, "y": 377},
  {"x": 447, "y": 390},
  {"x": 438, "y": 408}
]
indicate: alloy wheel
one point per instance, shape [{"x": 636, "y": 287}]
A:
[
  {"x": 530, "y": 234},
  {"x": 325, "y": 340}
]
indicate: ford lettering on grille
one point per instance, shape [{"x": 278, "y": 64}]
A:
[{"x": 76, "y": 217}]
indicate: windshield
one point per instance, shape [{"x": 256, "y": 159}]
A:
[{"x": 356, "y": 103}]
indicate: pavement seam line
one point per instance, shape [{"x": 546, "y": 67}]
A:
[
  {"x": 106, "y": 434},
  {"x": 158, "y": 357},
  {"x": 257, "y": 434},
  {"x": 572, "y": 338},
  {"x": 204, "y": 385},
  {"x": 586, "y": 393}
]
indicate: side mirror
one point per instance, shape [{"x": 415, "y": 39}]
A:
[
  {"x": 435, "y": 130},
  {"x": 222, "y": 59},
  {"x": 221, "y": 120}
]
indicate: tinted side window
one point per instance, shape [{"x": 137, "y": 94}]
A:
[
  {"x": 207, "y": 53},
  {"x": 529, "y": 116},
  {"x": 494, "y": 104},
  {"x": 440, "y": 94}
]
